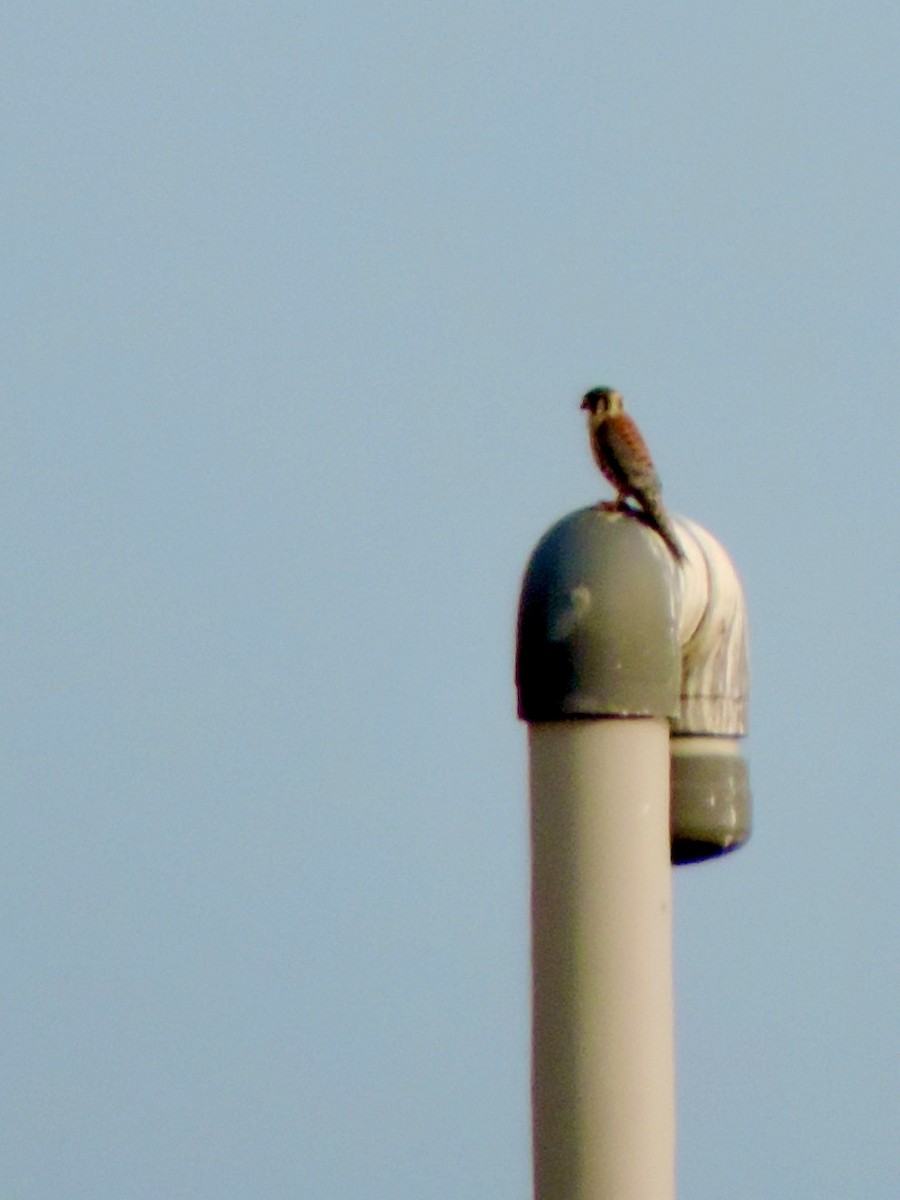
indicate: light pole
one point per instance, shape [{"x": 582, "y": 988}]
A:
[{"x": 625, "y": 662}]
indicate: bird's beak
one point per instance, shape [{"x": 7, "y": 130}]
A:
[{"x": 585, "y": 403}]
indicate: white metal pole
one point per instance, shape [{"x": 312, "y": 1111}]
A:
[
  {"x": 602, "y": 1055},
  {"x": 616, "y": 650}
]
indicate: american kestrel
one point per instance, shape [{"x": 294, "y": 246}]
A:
[{"x": 622, "y": 455}]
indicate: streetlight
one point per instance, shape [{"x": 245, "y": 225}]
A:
[{"x": 632, "y": 675}]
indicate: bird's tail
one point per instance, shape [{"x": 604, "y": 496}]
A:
[{"x": 663, "y": 526}]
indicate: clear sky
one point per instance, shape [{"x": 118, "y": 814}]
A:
[{"x": 299, "y": 302}]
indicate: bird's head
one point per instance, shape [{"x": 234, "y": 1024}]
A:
[{"x": 603, "y": 402}]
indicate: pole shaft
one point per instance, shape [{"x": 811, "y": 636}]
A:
[{"x": 602, "y": 1002}]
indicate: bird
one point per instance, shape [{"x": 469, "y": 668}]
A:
[{"x": 622, "y": 455}]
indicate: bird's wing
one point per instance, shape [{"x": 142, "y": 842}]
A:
[{"x": 628, "y": 451}]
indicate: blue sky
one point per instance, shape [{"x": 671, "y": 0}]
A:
[{"x": 299, "y": 302}]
